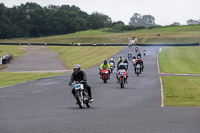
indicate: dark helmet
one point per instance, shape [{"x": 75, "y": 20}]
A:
[
  {"x": 126, "y": 60},
  {"x": 105, "y": 62},
  {"x": 77, "y": 68}
]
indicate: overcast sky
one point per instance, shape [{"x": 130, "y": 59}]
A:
[{"x": 165, "y": 11}]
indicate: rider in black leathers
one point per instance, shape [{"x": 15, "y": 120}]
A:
[{"x": 79, "y": 75}]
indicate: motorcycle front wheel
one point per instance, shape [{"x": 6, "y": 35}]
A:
[
  {"x": 121, "y": 83},
  {"x": 105, "y": 80},
  {"x": 79, "y": 100}
]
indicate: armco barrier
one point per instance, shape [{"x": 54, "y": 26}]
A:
[
  {"x": 6, "y": 58},
  {"x": 53, "y": 44},
  {"x": 0, "y": 61}
]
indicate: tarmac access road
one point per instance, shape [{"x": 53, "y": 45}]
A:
[{"x": 47, "y": 105}]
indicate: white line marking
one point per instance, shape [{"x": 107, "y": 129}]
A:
[
  {"x": 162, "y": 94},
  {"x": 161, "y": 85},
  {"x": 160, "y": 50}
]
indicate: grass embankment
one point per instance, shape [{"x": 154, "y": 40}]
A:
[
  {"x": 181, "y": 90},
  {"x": 8, "y": 78},
  {"x": 85, "y": 56},
  {"x": 179, "y": 34},
  {"x": 180, "y": 60}
]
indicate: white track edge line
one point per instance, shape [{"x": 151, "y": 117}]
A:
[{"x": 161, "y": 85}]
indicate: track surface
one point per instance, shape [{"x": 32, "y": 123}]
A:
[
  {"x": 47, "y": 106},
  {"x": 36, "y": 58}
]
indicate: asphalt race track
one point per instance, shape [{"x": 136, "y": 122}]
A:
[{"x": 47, "y": 105}]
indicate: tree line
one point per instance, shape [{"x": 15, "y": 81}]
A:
[{"x": 32, "y": 20}]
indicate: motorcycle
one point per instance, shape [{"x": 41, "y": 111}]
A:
[
  {"x": 144, "y": 53},
  {"x": 129, "y": 57},
  {"x": 112, "y": 66},
  {"x": 121, "y": 76},
  {"x": 104, "y": 74},
  {"x": 134, "y": 63},
  {"x": 136, "y": 49},
  {"x": 81, "y": 95},
  {"x": 126, "y": 66},
  {"x": 138, "y": 71}
]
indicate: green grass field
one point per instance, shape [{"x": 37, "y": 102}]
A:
[
  {"x": 85, "y": 56},
  {"x": 180, "y": 60},
  {"x": 8, "y": 78},
  {"x": 16, "y": 51},
  {"x": 181, "y": 91},
  {"x": 180, "y": 34}
]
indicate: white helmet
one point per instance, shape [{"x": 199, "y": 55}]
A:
[
  {"x": 111, "y": 59},
  {"x": 129, "y": 52}
]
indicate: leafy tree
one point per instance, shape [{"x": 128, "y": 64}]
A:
[
  {"x": 5, "y": 23},
  {"x": 191, "y": 21},
  {"x": 139, "y": 20},
  {"x": 175, "y": 24},
  {"x": 30, "y": 20},
  {"x": 99, "y": 20}
]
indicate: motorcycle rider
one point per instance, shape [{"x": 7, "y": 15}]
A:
[
  {"x": 134, "y": 61},
  {"x": 136, "y": 49},
  {"x": 112, "y": 61},
  {"x": 140, "y": 61},
  {"x": 129, "y": 55},
  {"x": 121, "y": 59},
  {"x": 79, "y": 75},
  {"x": 144, "y": 52},
  {"x": 139, "y": 56},
  {"x": 105, "y": 64},
  {"x": 126, "y": 64},
  {"x": 121, "y": 66}
]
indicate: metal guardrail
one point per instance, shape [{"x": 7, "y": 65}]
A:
[{"x": 54, "y": 44}]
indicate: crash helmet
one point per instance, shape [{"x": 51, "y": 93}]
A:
[
  {"x": 77, "y": 68},
  {"x": 105, "y": 62},
  {"x": 111, "y": 59}
]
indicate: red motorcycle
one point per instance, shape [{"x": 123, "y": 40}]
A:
[
  {"x": 104, "y": 74},
  {"x": 121, "y": 76}
]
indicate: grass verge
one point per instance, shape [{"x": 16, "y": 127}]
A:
[
  {"x": 8, "y": 78},
  {"x": 179, "y": 34},
  {"x": 85, "y": 56},
  {"x": 181, "y": 91},
  {"x": 180, "y": 60},
  {"x": 16, "y": 51}
]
